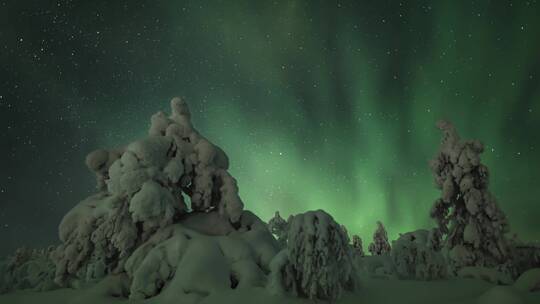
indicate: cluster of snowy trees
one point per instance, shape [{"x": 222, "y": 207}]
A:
[
  {"x": 470, "y": 236},
  {"x": 167, "y": 222}
]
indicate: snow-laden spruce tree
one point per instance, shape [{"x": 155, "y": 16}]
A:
[
  {"x": 380, "y": 244},
  {"x": 141, "y": 190},
  {"x": 279, "y": 226},
  {"x": 466, "y": 213},
  {"x": 358, "y": 249},
  {"x": 317, "y": 262}
]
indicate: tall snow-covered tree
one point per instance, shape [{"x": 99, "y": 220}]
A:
[
  {"x": 380, "y": 244},
  {"x": 467, "y": 214}
]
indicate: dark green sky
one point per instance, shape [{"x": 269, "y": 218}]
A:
[{"x": 319, "y": 104}]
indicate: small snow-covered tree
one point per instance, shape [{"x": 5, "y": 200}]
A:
[
  {"x": 27, "y": 269},
  {"x": 317, "y": 262},
  {"x": 380, "y": 244},
  {"x": 358, "y": 249},
  {"x": 279, "y": 226},
  {"x": 466, "y": 213},
  {"x": 414, "y": 256},
  {"x": 525, "y": 255}
]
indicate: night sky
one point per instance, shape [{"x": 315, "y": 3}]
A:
[{"x": 319, "y": 104}]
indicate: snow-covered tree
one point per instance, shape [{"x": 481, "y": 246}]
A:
[
  {"x": 466, "y": 213},
  {"x": 380, "y": 244},
  {"x": 358, "y": 249},
  {"x": 142, "y": 188},
  {"x": 415, "y": 257},
  {"x": 27, "y": 269},
  {"x": 317, "y": 262},
  {"x": 525, "y": 255},
  {"x": 279, "y": 226}
]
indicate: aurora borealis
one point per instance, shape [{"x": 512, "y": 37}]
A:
[{"x": 319, "y": 104}]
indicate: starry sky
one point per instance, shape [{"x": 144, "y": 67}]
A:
[{"x": 319, "y": 104}]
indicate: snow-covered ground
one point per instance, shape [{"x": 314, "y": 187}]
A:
[{"x": 372, "y": 291}]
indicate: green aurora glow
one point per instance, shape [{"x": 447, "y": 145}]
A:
[{"x": 324, "y": 105}]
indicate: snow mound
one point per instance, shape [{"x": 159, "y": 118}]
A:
[
  {"x": 500, "y": 295},
  {"x": 487, "y": 274},
  {"x": 529, "y": 281},
  {"x": 184, "y": 265}
]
